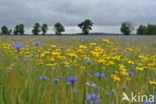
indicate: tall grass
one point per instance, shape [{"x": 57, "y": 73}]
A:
[{"x": 27, "y": 75}]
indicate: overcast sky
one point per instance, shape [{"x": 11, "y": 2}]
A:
[{"x": 71, "y": 12}]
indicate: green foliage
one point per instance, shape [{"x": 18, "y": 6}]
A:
[
  {"x": 4, "y": 30},
  {"x": 19, "y": 29},
  {"x": 16, "y": 30},
  {"x": 127, "y": 28},
  {"x": 36, "y": 29},
  {"x": 147, "y": 30},
  {"x": 44, "y": 29},
  {"x": 142, "y": 30},
  {"x": 58, "y": 27},
  {"x": 86, "y": 26},
  {"x": 151, "y": 29},
  {"x": 127, "y": 62}
]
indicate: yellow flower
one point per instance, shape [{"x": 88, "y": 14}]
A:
[
  {"x": 121, "y": 66},
  {"x": 42, "y": 54},
  {"x": 101, "y": 61},
  {"x": 130, "y": 62},
  {"x": 115, "y": 78},
  {"x": 72, "y": 54},
  {"x": 27, "y": 53},
  {"x": 61, "y": 57},
  {"x": 82, "y": 46},
  {"x": 92, "y": 44},
  {"x": 51, "y": 59},
  {"x": 79, "y": 50},
  {"x": 124, "y": 73},
  {"x": 56, "y": 53},
  {"x": 46, "y": 52},
  {"x": 96, "y": 53},
  {"x": 53, "y": 46},
  {"x": 54, "y": 64},
  {"x": 140, "y": 68},
  {"x": 116, "y": 58},
  {"x": 106, "y": 41},
  {"x": 114, "y": 49},
  {"x": 152, "y": 82},
  {"x": 99, "y": 49},
  {"x": 123, "y": 69},
  {"x": 111, "y": 62}
]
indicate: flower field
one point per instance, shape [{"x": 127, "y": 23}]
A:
[{"x": 77, "y": 69}]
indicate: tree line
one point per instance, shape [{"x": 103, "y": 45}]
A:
[
  {"x": 41, "y": 29},
  {"x": 148, "y": 30}
]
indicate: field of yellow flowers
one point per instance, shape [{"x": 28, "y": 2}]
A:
[{"x": 77, "y": 69}]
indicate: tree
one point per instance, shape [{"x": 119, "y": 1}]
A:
[
  {"x": 36, "y": 29},
  {"x": 58, "y": 27},
  {"x": 21, "y": 29},
  {"x": 4, "y": 30},
  {"x": 86, "y": 26},
  {"x": 127, "y": 28},
  {"x": 151, "y": 29},
  {"x": 142, "y": 30},
  {"x": 44, "y": 29},
  {"x": 16, "y": 30}
]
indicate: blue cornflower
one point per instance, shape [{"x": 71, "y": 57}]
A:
[
  {"x": 32, "y": 56},
  {"x": 8, "y": 71},
  {"x": 93, "y": 98},
  {"x": 43, "y": 78},
  {"x": 154, "y": 96},
  {"x": 56, "y": 80},
  {"x": 69, "y": 69},
  {"x": 99, "y": 75},
  {"x": 18, "y": 46},
  {"x": 63, "y": 64},
  {"x": 97, "y": 87},
  {"x": 5, "y": 60},
  {"x": 72, "y": 80},
  {"x": 26, "y": 60},
  {"x": 114, "y": 72},
  {"x": 154, "y": 45},
  {"x": 74, "y": 91},
  {"x": 89, "y": 61},
  {"x": 147, "y": 102},
  {"x": 130, "y": 73},
  {"x": 37, "y": 43}
]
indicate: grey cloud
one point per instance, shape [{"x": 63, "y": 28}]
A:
[{"x": 71, "y": 12}]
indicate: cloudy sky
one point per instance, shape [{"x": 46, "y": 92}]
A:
[{"x": 107, "y": 15}]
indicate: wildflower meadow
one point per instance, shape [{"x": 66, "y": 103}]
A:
[{"x": 78, "y": 69}]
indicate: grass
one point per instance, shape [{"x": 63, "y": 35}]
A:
[{"x": 27, "y": 74}]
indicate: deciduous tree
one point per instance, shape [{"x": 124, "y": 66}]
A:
[{"x": 85, "y": 26}]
